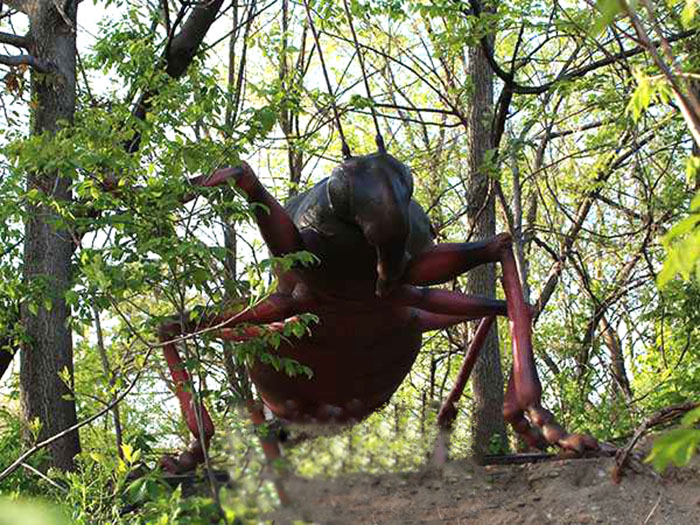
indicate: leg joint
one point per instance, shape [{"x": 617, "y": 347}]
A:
[{"x": 169, "y": 330}]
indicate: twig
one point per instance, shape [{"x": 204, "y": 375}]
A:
[
  {"x": 665, "y": 415},
  {"x": 18, "y": 462},
  {"x": 23, "y": 457},
  {"x": 44, "y": 477},
  {"x": 653, "y": 509},
  {"x": 110, "y": 379}
]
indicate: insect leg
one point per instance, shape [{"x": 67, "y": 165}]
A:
[
  {"x": 448, "y": 410},
  {"x": 276, "y": 226},
  {"x": 443, "y": 262},
  {"x": 270, "y": 445},
  {"x": 275, "y": 308},
  {"x": 525, "y": 386},
  {"x": 458, "y": 306}
]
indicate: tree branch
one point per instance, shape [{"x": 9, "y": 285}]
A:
[
  {"x": 687, "y": 102},
  {"x": 185, "y": 44},
  {"x": 33, "y": 450},
  {"x": 117, "y": 398},
  {"x": 663, "y": 416},
  {"x": 581, "y": 214},
  {"x": 179, "y": 54},
  {"x": 509, "y": 77},
  {"x": 14, "y": 40},
  {"x": 27, "y": 60}
]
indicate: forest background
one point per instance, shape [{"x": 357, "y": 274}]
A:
[{"x": 574, "y": 126}]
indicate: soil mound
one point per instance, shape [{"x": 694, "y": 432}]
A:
[{"x": 557, "y": 492}]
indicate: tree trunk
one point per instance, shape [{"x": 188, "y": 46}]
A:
[
  {"x": 617, "y": 360},
  {"x": 48, "y": 248},
  {"x": 236, "y": 371},
  {"x": 481, "y": 215}
]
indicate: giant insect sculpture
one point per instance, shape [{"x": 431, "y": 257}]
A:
[{"x": 371, "y": 292}]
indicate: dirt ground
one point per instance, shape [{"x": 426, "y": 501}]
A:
[{"x": 567, "y": 492}]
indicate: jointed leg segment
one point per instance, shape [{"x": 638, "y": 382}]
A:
[
  {"x": 276, "y": 226},
  {"x": 194, "y": 455},
  {"x": 443, "y": 308},
  {"x": 282, "y": 237},
  {"x": 275, "y": 308}
]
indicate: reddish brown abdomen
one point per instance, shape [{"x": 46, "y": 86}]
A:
[{"x": 356, "y": 369}]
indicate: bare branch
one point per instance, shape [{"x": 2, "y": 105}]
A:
[
  {"x": 661, "y": 417},
  {"x": 508, "y": 77},
  {"x": 416, "y": 109},
  {"x": 27, "y": 60},
  {"x": 117, "y": 398},
  {"x": 14, "y": 40},
  {"x": 45, "y": 477},
  {"x": 581, "y": 214},
  {"x": 33, "y": 450},
  {"x": 687, "y": 102},
  {"x": 179, "y": 54},
  {"x": 185, "y": 44}
]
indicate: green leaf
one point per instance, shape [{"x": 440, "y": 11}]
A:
[
  {"x": 298, "y": 329},
  {"x": 641, "y": 98},
  {"x": 127, "y": 450},
  {"x": 691, "y": 417},
  {"x": 675, "y": 447},
  {"x": 688, "y": 13},
  {"x": 692, "y": 165},
  {"x": 608, "y": 10}
]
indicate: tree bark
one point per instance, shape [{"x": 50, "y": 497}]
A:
[
  {"x": 48, "y": 246},
  {"x": 617, "y": 360},
  {"x": 488, "y": 375}
]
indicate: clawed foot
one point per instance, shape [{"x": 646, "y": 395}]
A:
[
  {"x": 222, "y": 176},
  {"x": 501, "y": 243},
  {"x": 554, "y": 434},
  {"x": 187, "y": 461},
  {"x": 242, "y": 175}
]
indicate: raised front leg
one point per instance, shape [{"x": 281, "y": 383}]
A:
[
  {"x": 275, "y": 308},
  {"x": 277, "y": 228}
]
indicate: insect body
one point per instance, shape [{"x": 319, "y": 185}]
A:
[{"x": 371, "y": 294}]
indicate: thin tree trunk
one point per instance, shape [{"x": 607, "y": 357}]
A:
[
  {"x": 290, "y": 116},
  {"x": 488, "y": 375},
  {"x": 111, "y": 380},
  {"x": 48, "y": 247},
  {"x": 695, "y": 87},
  {"x": 236, "y": 371},
  {"x": 617, "y": 359}
]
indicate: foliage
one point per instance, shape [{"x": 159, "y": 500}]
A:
[
  {"x": 677, "y": 446},
  {"x": 683, "y": 245},
  {"x": 29, "y": 512},
  {"x": 602, "y": 159}
]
